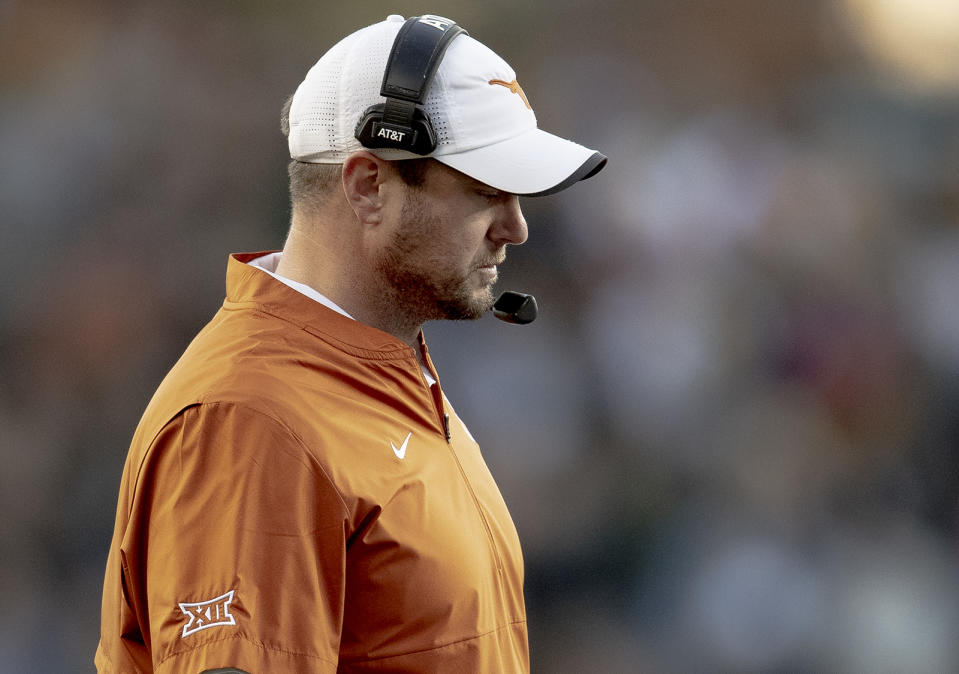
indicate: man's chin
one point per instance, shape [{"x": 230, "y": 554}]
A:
[
  {"x": 468, "y": 309},
  {"x": 483, "y": 304}
]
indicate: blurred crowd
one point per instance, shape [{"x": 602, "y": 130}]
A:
[{"x": 729, "y": 442}]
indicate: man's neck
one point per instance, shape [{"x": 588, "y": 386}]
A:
[{"x": 347, "y": 282}]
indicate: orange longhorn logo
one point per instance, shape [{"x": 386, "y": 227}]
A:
[{"x": 515, "y": 88}]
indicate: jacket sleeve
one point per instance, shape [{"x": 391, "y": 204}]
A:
[{"x": 235, "y": 551}]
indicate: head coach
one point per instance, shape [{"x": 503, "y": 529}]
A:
[{"x": 299, "y": 495}]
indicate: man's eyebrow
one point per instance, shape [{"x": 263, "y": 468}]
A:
[{"x": 488, "y": 188}]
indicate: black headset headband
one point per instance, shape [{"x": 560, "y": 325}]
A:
[{"x": 416, "y": 54}]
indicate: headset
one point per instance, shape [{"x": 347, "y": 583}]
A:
[{"x": 417, "y": 51}]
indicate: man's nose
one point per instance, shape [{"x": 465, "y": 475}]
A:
[{"x": 510, "y": 225}]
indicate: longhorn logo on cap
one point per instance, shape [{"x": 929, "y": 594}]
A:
[{"x": 515, "y": 88}]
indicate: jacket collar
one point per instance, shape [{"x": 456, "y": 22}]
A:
[{"x": 250, "y": 287}]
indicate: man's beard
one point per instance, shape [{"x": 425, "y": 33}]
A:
[{"x": 415, "y": 285}]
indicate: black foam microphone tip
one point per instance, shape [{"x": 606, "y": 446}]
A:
[{"x": 513, "y": 307}]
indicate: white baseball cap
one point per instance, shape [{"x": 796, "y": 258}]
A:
[{"x": 483, "y": 122}]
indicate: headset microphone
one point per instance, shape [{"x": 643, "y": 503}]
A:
[{"x": 513, "y": 307}]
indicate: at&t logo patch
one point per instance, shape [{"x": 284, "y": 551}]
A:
[{"x": 206, "y": 614}]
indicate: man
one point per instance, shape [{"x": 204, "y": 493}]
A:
[{"x": 299, "y": 495}]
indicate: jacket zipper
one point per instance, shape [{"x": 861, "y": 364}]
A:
[
  {"x": 440, "y": 406},
  {"x": 497, "y": 555}
]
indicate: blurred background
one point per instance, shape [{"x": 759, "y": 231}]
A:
[{"x": 729, "y": 443}]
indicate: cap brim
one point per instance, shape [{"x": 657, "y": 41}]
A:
[{"x": 532, "y": 164}]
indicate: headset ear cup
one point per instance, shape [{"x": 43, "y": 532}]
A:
[{"x": 373, "y": 132}]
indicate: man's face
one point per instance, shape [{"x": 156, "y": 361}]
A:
[{"x": 440, "y": 261}]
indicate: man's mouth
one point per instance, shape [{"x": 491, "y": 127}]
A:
[
  {"x": 492, "y": 264},
  {"x": 488, "y": 272}
]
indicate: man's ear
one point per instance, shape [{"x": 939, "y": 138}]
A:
[{"x": 364, "y": 175}]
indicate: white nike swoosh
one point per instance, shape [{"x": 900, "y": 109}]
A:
[{"x": 401, "y": 452}]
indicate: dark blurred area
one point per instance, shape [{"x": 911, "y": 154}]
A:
[{"x": 730, "y": 440}]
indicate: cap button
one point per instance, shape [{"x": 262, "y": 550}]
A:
[{"x": 394, "y": 18}]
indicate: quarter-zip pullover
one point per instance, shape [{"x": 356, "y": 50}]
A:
[{"x": 298, "y": 498}]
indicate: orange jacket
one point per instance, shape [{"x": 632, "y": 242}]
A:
[{"x": 296, "y": 499}]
